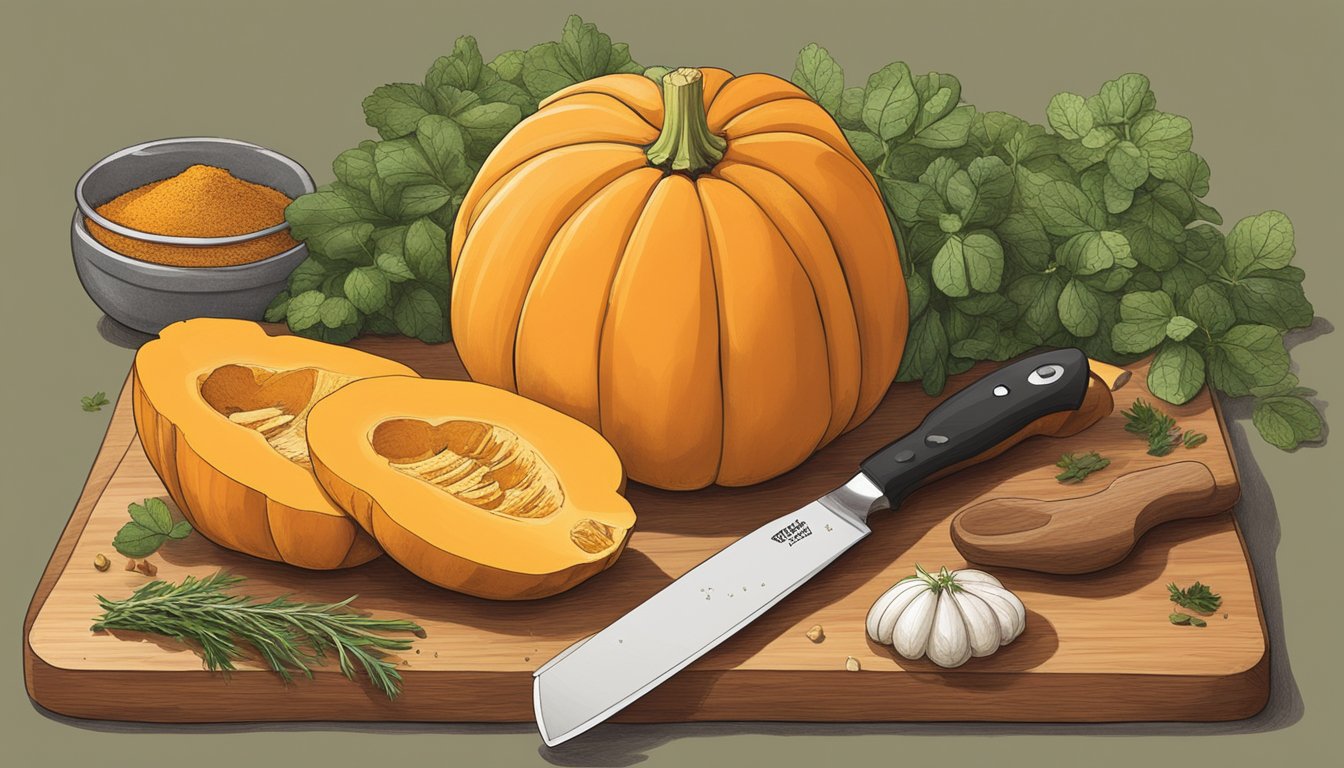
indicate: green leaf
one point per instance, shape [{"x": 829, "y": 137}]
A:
[
  {"x": 1117, "y": 197},
  {"x": 1038, "y": 296},
  {"x": 1079, "y": 310},
  {"x": 1186, "y": 169},
  {"x": 354, "y": 167},
  {"x": 1270, "y": 301},
  {"x": 509, "y": 66},
  {"x": 1179, "y": 327},
  {"x": 1287, "y": 420},
  {"x": 305, "y": 310},
  {"x": 1181, "y": 280},
  {"x": 1161, "y": 136},
  {"x": 485, "y": 124},
  {"x": 851, "y": 108},
  {"x": 423, "y": 199},
  {"x": 938, "y": 95},
  {"x": 917, "y": 288},
  {"x": 582, "y": 53},
  {"x": 153, "y": 515},
  {"x": 1210, "y": 309},
  {"x": 820, "y": 77},
  {"x": 948, "y": 133},
  {"x": 1177, "y": 372},
  {"x": 442, "y": 143},
  {"x": 1247, "y": 356},
  {"x": 982, "y": 191},
  {"x": 1065, "y": 210},
  {"x": 337, "y": 311},
  {"x": 984, "y": 260},
  {"x": 926, "y": 352},
  {"x": 868, "y": 147},
  {"x": 393, "y": 110},
  {"x": 460, "y": 69},
  {"x": 394, "y": 267},
  {"x": 151, "y": 524},
  {"x": 1121, "y": 99},
  {"x": 368, "y": 289},
  {"x": 314, "y": 213},
  {"x": 276, "y": 311},
  {"x": 427, "y": 252},
  {"x": 1204, "y": 247},
  {"x": 1099, "y": 138},
  {"x": 418, "y": 315},
  {"x": 1127, "y": 165},
  {"x": 1069, "y": 116},
  {"x": 1143, "y": 321},
  {"x": 1259, "y": 242},
  {"x": 136, "y": 541},
  {"x": 1091, "y": 252},
  {"x": 949, "y": 223},
  {"x": 890, "y": 103},
  {"x": 1024, "y": 239},
  {"x": 949, "y": 268},
  {"x": 348, "y": 242}
]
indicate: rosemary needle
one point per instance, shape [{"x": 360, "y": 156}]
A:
[{"x": 290, "y": 636}]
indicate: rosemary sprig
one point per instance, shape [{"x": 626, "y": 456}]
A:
[
  {"x": 1196, "y": 597},
  {"x": 289, "y": 635},
  {"x": 1159, "y": 429},
  {"x": 1076, "y": 468}
]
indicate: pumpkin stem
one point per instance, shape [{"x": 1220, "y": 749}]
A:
[{"x": 685, "y": 143}]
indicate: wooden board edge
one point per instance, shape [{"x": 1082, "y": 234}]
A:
[
  {"x": 690, "y": 697},
  {"x": 116, "y": 443}
]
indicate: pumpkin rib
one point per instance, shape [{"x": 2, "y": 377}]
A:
[
  {"x": 658, "y": 298},
  {"x": 648, "y": 105},
  {"x": 561, "y": 102},
  {"x": 768, "y": 429},
  {"x": 834, "y": 427},
  {"x": 749, "y": 91},
  {"x": 718, "y": 323},
  {"x": 832, "y": 139},
  {"x": 471, "y": 208},
  {"x": 845, "y": 272},
  {"x": 577, "y": 223},
  {"x": 880, "y": 357},
  {"x": 489, "y": 287},
  {"x": 713, "y": 79}
]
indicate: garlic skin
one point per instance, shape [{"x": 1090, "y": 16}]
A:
[{"x": 951, "y": 616}]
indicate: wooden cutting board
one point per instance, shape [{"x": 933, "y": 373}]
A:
[{"x": 1097, "y": 647}]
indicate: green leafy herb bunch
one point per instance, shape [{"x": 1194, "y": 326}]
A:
[
  {"x": 378, "y": 236},
  {"x": 1092, "y": 233}
]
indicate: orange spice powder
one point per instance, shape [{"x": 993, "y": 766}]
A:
[{"x": 202, "y": 201}]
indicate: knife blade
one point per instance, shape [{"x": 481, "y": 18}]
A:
[{"x": 595, "y": 678}]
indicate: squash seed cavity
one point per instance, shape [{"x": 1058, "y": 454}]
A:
[
  {"x": 273, "y": 402},
  {"x": 484, "y": 465}
]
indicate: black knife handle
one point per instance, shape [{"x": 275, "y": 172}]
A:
[{"x": 989, "y": 411}]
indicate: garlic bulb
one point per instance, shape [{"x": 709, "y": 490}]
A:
[{"x": 950, "y": 616}]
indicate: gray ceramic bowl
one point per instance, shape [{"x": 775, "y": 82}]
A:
[{"x": 147, "y": 296}]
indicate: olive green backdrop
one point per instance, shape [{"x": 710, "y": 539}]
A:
[{"x": 1258, "y": 80}]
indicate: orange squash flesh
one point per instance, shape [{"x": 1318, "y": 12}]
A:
[
  {"x": 757, "y": 309},
  {"x": 202, "y": 391},
  {"x": 470, "y": 487}
]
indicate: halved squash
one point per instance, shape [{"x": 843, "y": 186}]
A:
[
  {"x": 220, "y": 408},
  {"x": 470, "y": 487}
]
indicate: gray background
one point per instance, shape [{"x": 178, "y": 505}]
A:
[{"x": 1258, "y": 80}]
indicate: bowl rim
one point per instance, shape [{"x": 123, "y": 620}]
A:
[
  {"x": 171, "y": 271},
  {"x": 91, "y": 214}
]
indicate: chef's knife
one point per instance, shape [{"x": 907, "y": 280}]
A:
[{"x": 596, "y": 677}]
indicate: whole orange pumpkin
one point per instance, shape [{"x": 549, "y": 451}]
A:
[{"x": 704, "y": 273}]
